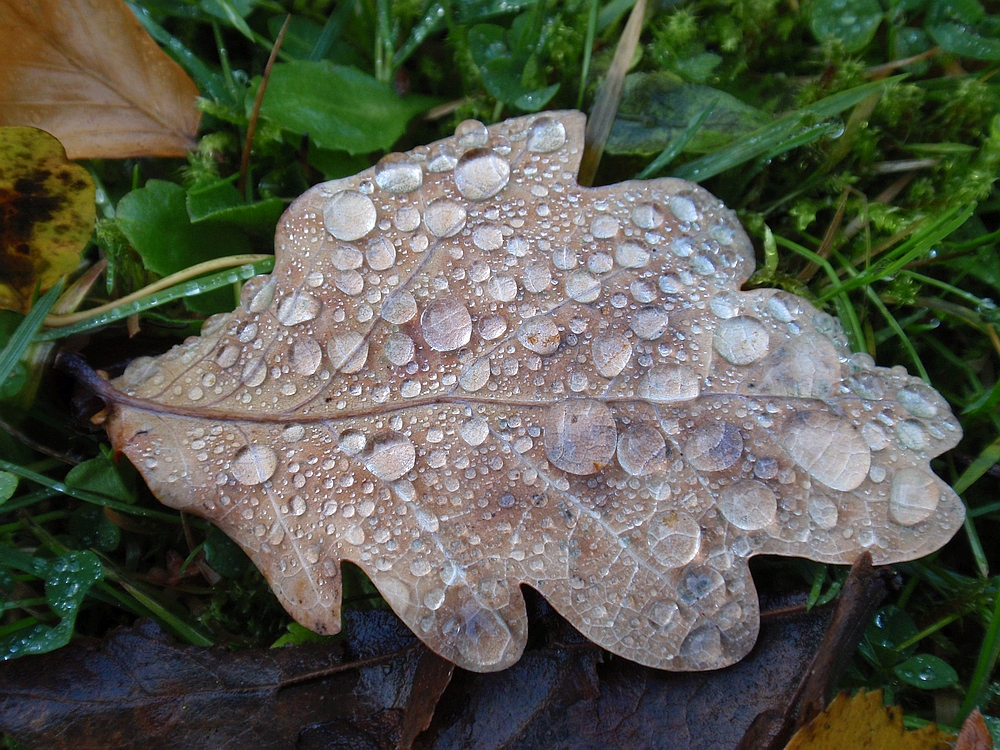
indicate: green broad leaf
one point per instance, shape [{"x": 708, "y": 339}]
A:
[
  {"x": 67, "y": 580},
  {"x": 963, "y": 41},
  {"x": 298, "y": 635},
  {"x": 100, "y": 475},
  {"x": 339, "y": 107},
  {"x": 469, "y": 11},
  {"x": 927, "y": 672},
  {"x": 8, "y": 483},
  {"x": 853, "y": 23},
  {"x": 232, "y": 12},
  {"x": 225, "y": 556},
  {"x": 336, "y": 164},
  {"x": 222, "y": 202},
  {"x": 890, "y": 627},
  {"x": 657, "y": 108},
  {"x": 304, "y": 37},
  {"x": 508, "y": 62},
  {"x": 91, "y": 526}
]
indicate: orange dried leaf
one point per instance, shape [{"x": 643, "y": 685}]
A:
[
  {"x": 47, "y": 214},
  {"x": 862, "y": 721},
  {"x": 468, "y": 373},
  {"x": 88, "y": 73}
]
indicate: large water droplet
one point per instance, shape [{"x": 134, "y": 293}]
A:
[
  {"x": 399, "y": 349},
  {"x": 673, "y": 537},
  {"x": 748, "y": 505},
  {"x": 611, "y": 352},
  {"x": 649, "y": 323},
  {"x": 913, "y": 497},
  {"x": 348, "y": 352},
  {"x": 918, "y": 399},
  {"x": 741, "y": 340},
  {"x": 389, "y": 456},
  {"x": 476, "y": 375},
  {"x": 537, "y": 277},
  {"x": 631, "y": 255},
  {"x": 669, "y": 383},
  {"x": 472, "y": 134},
  {"x": 258, "y": 293},
  {"x": 299, "y": 307},
  {"x": 540, "y": 334},
  {"x": 492, "y": 327},
  {"x": 714, "y": 446},
  {"x": 546, "y": 135},
  {"x": 481, "y": 174},
  {"x": 254, "y": 464},
  {"x": 399, "y": 308},
  {"x": 446, "y": 325},
  {"x": 580, "y": 435},
  {"x": 397, "y": 174},
  {"x": 502, "y": 288},
  {"x": 642, "y": 450},
  {"x": 583, "y": 287},
  {"x": 306, "y": 357},
  {"x": 475, "y": 431},
  {"x": 823, "y": 511},
  {"x": 683, "y": 208},
  {"x": 444, "y": 217},
  {"x": 349, "y": 215},
  {"x": 828, "y": 447}
]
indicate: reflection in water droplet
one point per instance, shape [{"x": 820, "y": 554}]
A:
[
  {"x": 475, "y": 431},
  {"x": 546, "y": 135},
  {"x": 254, "y": 464},
  {"x": 749, "y": 505},
  {"x": 913, "y": 496},
  {"x": 481, "y": 174},
  {"x": 348, "y": 351},
  {"x": 397, "y": 174},
  {"x": 669, "y": 383},
  {"x": 539, "y": 334},
  {"x": 642, "y": 450},
  {"x": 828, "y": 447},
  {"x": 299, "y": 307},
  {"x": 446, "y": 325},
  {"x": 714, "y": 446},
  {"x": 673, "y": 537},
  {"x": 399, "y": 308},
  {"x": 611, "y": 352},
  {"x": 741, "y": 340},
  {"x": 444, "y": 217},
  {"x": 649, "y": 323},
  {"x": 349, "y": 215},
  {"x": 580, "y": 435},
  {"x": 306, "y": 357},
  {"x": 389, "y": 456}
]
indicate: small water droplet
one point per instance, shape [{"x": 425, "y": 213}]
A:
[{"x": 472, "y": 134}]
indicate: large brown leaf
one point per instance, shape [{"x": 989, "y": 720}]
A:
[
  {"x": 88, "y": 73},
  {"x": 467, "y": 373}
]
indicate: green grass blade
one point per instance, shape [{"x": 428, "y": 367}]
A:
[
  {"x": 674, "y": 148},
  {"x": 25, "y": 333}
]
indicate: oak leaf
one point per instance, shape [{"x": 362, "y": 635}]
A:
[
  {"x": 468, "y": 373},
  {"x": 88, "y": 73}
]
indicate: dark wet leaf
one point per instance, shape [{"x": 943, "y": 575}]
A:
[
  {"x": 927, "y": 672},
  {"x": 853, "y": 23}
]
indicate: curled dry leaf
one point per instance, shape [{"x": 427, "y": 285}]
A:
[
  {"x": 88, "y": 73},
  {"x": 467, "y": 372}
]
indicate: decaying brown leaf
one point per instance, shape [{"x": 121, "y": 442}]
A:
[
  {"x": 467, "y": 373},
  {"x": 47, "y": 214},
  {"x": 90, "y": 74}
]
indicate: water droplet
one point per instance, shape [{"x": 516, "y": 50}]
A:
[
  {"x": 472, "y": 134},
  {"x": 546, "y": 135},
  {"x": 502, "y": 288},
  {"x": 492, "y": 327},
  {"x": 537, "y": 277},
  {"x": 475, "y": 431},
  {"x": 918, "y": 399},
  {"x": 348, "y": 351},
  {"x": 913, "y": 496},
  {"x": 399, "y": 349},
  {"x": 642, "y": 450},
  {"x": 397, "y": 174},
  {"x": 748, "y": 505},
  {"x": 669, "y": 383},
  {"x": 683, "y": 209},
  {"x": 580, "y": 435},
  {"x": 912, "y": 434},
  {"x": 299, "y": 307},
  {"x": 389, "y": 456},
  {"x": 254, "y": 464},
  {"x": 673, "y": 537},
  {"x": 583, "y": 287},
  {"x": 604, "y": 227},
  {"x": 714, "y": 446},
  {"x": 741, "y": 340},
  {"x": 481, "y": 174},
  {"x": 297, "y": 506},
  {"x": 487, "y": 237},
  {"x": 254, "y": 373},
  {"x": 258, "y": 293},
  {"x": 646, "y": 217},
  {"x": 349, "y": 215},
  {"x": 823, "y": 511},
  {"x": 828, "y": 448},
  {"x": 352, "y": 442},
  {"x": 540, "y": 334},
  {"x": 433, "y": 599},
  {"x": 444, "y": 217},
  {"x": 346, "y": 257},
  {"x": 631, "y": 255},
  {"x": 381, "y": 254},
  {"x": 564, "y": 258},
  {"x": 350, "y": 282},
  {"x": 649, "y": 323},
  {"x": 228, "y": 356},
  {"x": 306, "y": 357},
  {"x": 611, "y": 352},
  {"x": 407, "y": 218},
  {"x": 476, "y": 375},
  {"x": 293, "y": 433},
  {"x": 400, "y": 308},
  {"x": 446, "y": 325},
  {"x": 702, "y": 648}
]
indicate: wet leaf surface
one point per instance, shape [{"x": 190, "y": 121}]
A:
[
  {"x": 467, "y": 372},
  {"x": 46, "y": 214},
  {"x": 89, "y": 74}
]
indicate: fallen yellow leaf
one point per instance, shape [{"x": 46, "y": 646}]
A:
[
  {"x": 862, "y": 721},
  {"x": 47, "y": 214},
  {"x": 88, "y": 73}
]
